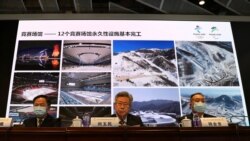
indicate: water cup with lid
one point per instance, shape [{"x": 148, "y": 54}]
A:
[{"x": 186, "y": 122}]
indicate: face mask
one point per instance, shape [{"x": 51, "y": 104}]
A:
[
  {"x": 199, "y": 107},
  {"x": 40, "y": 111}
]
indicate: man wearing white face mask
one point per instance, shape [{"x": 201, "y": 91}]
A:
[
  {"x": 41, "y": 106},
  {"x": 198, "y": 107}
]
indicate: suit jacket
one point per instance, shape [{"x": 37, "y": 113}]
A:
[
  {"x": 132, "y": 120},
  {"x": 49, "y": 121},
  {"x": 190, "y": 116}
]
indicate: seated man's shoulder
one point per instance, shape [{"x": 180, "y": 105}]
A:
[
  {"x": 51, "y": 121},
  {"x": 134, "y": 120},
  {"x": 29, "y": 122},
  {"x": 207, "y": 115},
  {"x": 134, "y": 116},
  {"x": 29, "y": 119}
]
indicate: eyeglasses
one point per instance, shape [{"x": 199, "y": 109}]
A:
[{"x": 123, "y": 104}]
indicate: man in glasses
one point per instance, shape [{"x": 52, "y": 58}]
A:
[{"x": 122, "y": 105}]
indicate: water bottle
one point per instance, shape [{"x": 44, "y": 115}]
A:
[
  {"x": 196, "y": 121},
  {"x": 76, "y": 122},
  {"x": 186, "y": 122},
  {"x": 86, "y": 119}
]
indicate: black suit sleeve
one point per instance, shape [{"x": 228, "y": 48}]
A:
[
  {"x": 30, "y": 122},
  {"x": 49, "y": 121},
  {"x": 134, "y": 120}
]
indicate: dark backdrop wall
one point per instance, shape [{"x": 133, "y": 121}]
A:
[
  {"x": 242, "y": 43},
  {"x": 8, "y": 30}
]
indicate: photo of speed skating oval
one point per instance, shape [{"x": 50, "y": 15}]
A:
[{"x": 85, "y": 88}]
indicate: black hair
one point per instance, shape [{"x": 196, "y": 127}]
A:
[
  {"x": 45, "y": 97},
  {"x": 198, "y": 93}
]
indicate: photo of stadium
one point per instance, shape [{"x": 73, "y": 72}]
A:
[
  {"x": 80, "y": 88},
  {"x": 38, "y": 55},
  {"x": 87, "y": 55},
  {"x": 26, "y": 86}
]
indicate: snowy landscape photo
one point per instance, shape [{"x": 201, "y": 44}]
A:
[
  {"x": 206, "y": 64},
  {"x": 157, "y": 107},
  {"x": 144, "y": 63},
  {"x": 220, "y": 102}
]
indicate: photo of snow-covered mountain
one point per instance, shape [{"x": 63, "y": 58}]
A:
[
  {"x": 144, "y": 63},
  {"x": 206, "y": 64},
  {"x": 220, "y": 102},
  {"x": 157, "y": 107}
]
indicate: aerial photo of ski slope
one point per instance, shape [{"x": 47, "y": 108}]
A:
[
  {"x": 206, "y": 64},
  {"x": 220, "y": 102},
  {"x": 144, "y": 63}
]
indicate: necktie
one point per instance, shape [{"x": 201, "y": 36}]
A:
[
  {"x": 39, "y": 123},
  {"x": 122, "y": 122}
]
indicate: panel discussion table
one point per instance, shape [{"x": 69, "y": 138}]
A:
[{"x": 234, "y": 133}]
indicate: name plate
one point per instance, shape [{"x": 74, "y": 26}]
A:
[
  {"x": 5, "y": 122},
  {"x": 214, "y": 122},
  {"x": 104, "y": 122}
]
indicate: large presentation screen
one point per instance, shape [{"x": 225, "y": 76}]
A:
[{"x": 82, "y": 64}]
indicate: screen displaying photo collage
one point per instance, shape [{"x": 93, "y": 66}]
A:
[{"x": 82, "y": 67}]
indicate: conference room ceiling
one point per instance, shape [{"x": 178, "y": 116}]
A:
[{"x": 178, "y": 7}]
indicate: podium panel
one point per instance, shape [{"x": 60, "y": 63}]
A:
[
  {"x": 36, "y": 134},
  {"x": 125, "y": 134},
  {"x": 94, "y": 134},
  {"x": 208, "y": 134},
  {"x": 243, "y": 133}
]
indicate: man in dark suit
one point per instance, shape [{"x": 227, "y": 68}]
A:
[
  {"x": 197, "y": 105},
  {"x": 122, "y": 105},
  {"x": 41, "y": 105}
]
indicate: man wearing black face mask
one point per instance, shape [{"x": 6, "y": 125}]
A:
[
  {"x": 198, "y": 107},
  {"x": 41, "y": 106}
]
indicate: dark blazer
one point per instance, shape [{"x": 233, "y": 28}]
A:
[
  {"x": 49, "y": 121},
  {"x": 190, "y": 116},
  {"x": 132, "y": 120}
]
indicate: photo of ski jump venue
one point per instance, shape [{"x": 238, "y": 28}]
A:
[
  {"x": 82, "y": 88},
  {"x": 87, "y": 55},
  {"x": 206, "y": 64},
  {"x": 144, "y": 63},
  {"x": 28, "y": 85}
]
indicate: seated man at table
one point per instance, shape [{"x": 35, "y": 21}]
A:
[
  {"x": 122, "y": 105},
  {"x": 198, "y": 107},
  {"x": 41, "y": 106}
]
